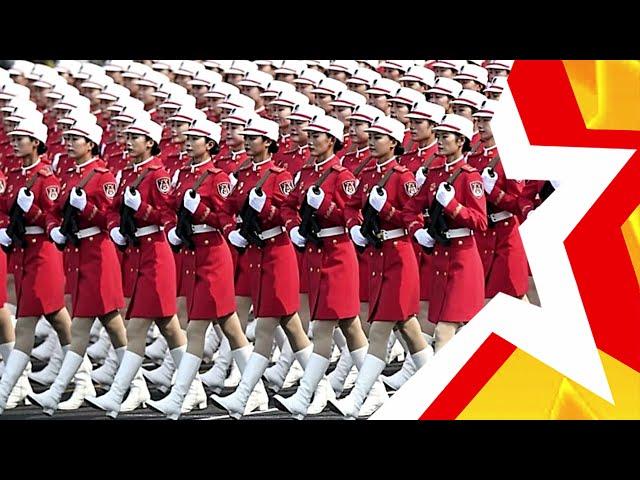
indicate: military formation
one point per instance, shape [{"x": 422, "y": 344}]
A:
[{"x": 271, "y": 216}]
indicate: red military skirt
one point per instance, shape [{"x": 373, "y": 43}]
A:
[
  {"x": 206, "y": 275},
  {"x": 275, "y": 282},
  {"x": 39, "y": 277},
  {"x": 150, "y": 278},
  {"x": 503, "y": 259},
  {"x": 363, "y": 274},
  {"x": 242, "y": 279},
  {"x": 93, "y": 276},
  {"x": 180, "y": 288},
  {"x": 457, "y": 281},
  {"x": 4, "y": 259},
  {"x": 302, "y": 270},
  {"x": 332, "y": 275},
  {"x": 394, "y": 281}
]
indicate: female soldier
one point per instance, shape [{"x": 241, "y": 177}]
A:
[
  {"x": 443, "y": 92},
  {"x": 332, "y": 266},
  {"x": 457, "y": 278},
  {"x": 39, "y": 278},
  {"x": 145, "y": 190},
  {"x": 90, "y": 189},
  {"x": 274, "y": 276},
  {"x": 394, "y": 292},
  {"x": 207, "y": 264}
]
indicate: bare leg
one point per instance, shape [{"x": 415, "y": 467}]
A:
[
  {"x": 412, "y": 334},
  {"x": 427, "y": 327},
  {"x": 378, "y": 338},
  {"x": 182, "y": 312},
  {"x": 25, "y": 334},
  {"x": 233, "y": 330},
  {"x": 7, "y": 333},
  {"x": 532, "y": 294},
  {"x": 265, "y": 330},
  {"x": 112, "y": 321},
  {"x": 137, "y": 335},
  {"x": 353, "y": 333},
  {"x": 196, "y": 331},
  {"x": 364, "y": 317},
  {"x": 170, "y": 329},
  {"x": 323, "y": 337},
  {"x": 61, "y": 322},
  {"x": 445, "y": 331},
  {"x": 243, "y": 305},
  {"x": 295, "y": 333},
  {"x": 305, "y": 315}
]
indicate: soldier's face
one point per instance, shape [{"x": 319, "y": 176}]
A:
[
  {"x": 251, "y": 91},
  {"x": 493, "y": 95},
  {"x": 282, "y": 113},
  {"x": 398, "y": 111},
  {"x": 392, "y": 73},
  {"x": 232, "y": 135},
  {"x": 78, "y": 146},
  {"x": 104, "y": 105},
  {"x": 131, "y": 85},
  {"x": 444, "y": 72},
  {"x": 440, "y": 99},
  {"x": 338, "y": 75},
  {"x": 343, "y": 114},
  {"x": 321, "y": 144},
  {"x": 380, "y": 144},
  {"x": 137, "y": 145},
  {"x": 183, "y": 80},
  {"x": 117, "y": 77},
  {"x": 212, "y": 103},
  {"x": 118, "y": 127},
  {"x": 298, "y": 135},
  {"x": 417, "y": 86},
  {"x": 357, "y": 131},
  {"x": 464, "y": 111},
  {"x": 420, "y": 129},
  {"x": 359, "y": 88},
  {"x": 285, "y": 77},
  {"x": 91, "y": 94},
  {"x": 379, "y": 101},
  {"x": 196, "y": 147},
  {"x": 40, "y": 96},
  {"x": 177, "y": 131},
  {"x": 255, "y": 145},
  {"x": 494, "y": 72},
  {"x": 449, "y": 143},
  {"x": 266, "y": 68},
  {"x": 471, "y": 85},
  {"x": 145, "y": 94},
  {"x": 23, "y": 145},
  {"x": 484, "y": 127},
  {"x": 305, "y": 89},
  {"x": 323, "y": 100},
  {"x": 234, "y": 78}
]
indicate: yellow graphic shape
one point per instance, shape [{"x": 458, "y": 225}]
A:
[
  {"x": 607, "y": 92},
  {"x": 526, "y": 389},
  {"x": 631, "y": 234}
]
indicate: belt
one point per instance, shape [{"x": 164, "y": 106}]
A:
[
  {"x": 391, "y": 234},
  {"x": 34, "y": 230},
  {"x": 88, "y": 232},
  {"x": 331, "y": 232},
  {"x": 272, "y": 232},
  {"x": 496, "y": 217},
  {"x": 202, "y": 228},
  {"x": 144, "y": 231},
  {"x": 458, "y": 232}
]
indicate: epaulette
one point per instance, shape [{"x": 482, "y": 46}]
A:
[
  {"x": 468, "y": 168},
  {"x": 154, "y": 167},
  {"x": 276, "y": 169},
  {"x": 215, "y": 170},
  {"x": 338, "y": 168},
  {"x": 400, "y": 168},
  {"x": 45, "y": 172},
  {"x": 101, "y": 169}
]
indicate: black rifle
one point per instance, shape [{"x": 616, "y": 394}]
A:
[
  {"x": 370, "y": 228},
  {"x": 127, "y": 221},
  {"x": 69, "y": 227},
  {"x": 547, "y": 189},
  {"x": 309, "y": 226},
  {"x": 250, "y": 228},
  {"x": 184, "y": 227},
  {"x": 17, "y": 229},
  {"x": 436, "y": 223}
]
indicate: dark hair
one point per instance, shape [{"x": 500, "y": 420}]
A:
[
  {"x": 155, "y": 150},
  {"x": 273, "y": 148},
  {"x": 337, "y": 146},
  {"x": 215, "y": 149},
  {"x": 42, "y": 148},
  {"x": 398, "y": 149},
  {"x": 466, "y": 147},
  {"x": 95, "y": 150}
]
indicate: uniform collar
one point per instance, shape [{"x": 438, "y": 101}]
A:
[
  {"x": 194, "y": 167},
  {"x": 82, "y": 165},
  {"x": 422, "y": 149},
  {"x": 235, "y": 154},
  {"x": 136, "y": 166},
  {"x": 34, "y": 164},
  {"x": 360, "y": 151},
  {"x": 317, "y": 166},
  {"x": 254, "y": 166},
  {"x": 380, "y": 165},
  {"x": 488, "y": 149},
  {"x": 447, "y": 166},
  {"x": 302, "y": 148}
]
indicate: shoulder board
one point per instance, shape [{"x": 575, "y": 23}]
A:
[
  {"x": 154, "y": 167},
  {"x": 128, "y": 167},
  {"x": 368, "y": 168},
  {"x": 215, "y": 170},
  {"x": 275, "y": 169},
  {"x": 45, "y": 172},
  {"x": 468, "y": 168},
  {"x": 101, "y": 169},
  {"x": 17, "y": 169},
  {"x": 409, "y": 154},
  {"x": 400, "y": 168},
  {"x": 338, "y": 168},
  {"x": 307, "y": 166}
]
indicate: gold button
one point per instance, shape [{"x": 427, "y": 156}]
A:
[
  {"x": 76, "y": 269},
  {"x": 317, "y": 270},
  {"x": 33, "y": 240},
  {"x": 187, "y": 272},
  {"x": 437, "y": 272},
  {"x": 494, "y": 234},
  {"x": 273, "y": 240},
  {"x": 251, "y": 265},
  {"x": 335, "y": 241},
  {"x": 485, "y": 251},
  {"x": 381, "y": 254},
  {"x": 311, "y": 269},
  {"x": 395, "y": 243},
  {"x": 506, "y": 223},
  {"x": 319, "y": 250},
  {"x": 446, "y": 253},
  {"x": 371, "y": 253},
  {"x": 247, "y": 174},
  {"x": 148, "y": 239},
  {"x": 76, "y": 250},
  {"x": 435, "y": 253},
  {"x": 310, "y": 249},
  {"x": 132, "y": 269},
  {"x": 258, "y": 266},
  {"x": 459, "y": 242},
  {"x": 206, "y": 242},
  {"x": 137, "y": 250},
  {"x": 91, "y": 239},
  {"x": 444, "y": 273},
  {"x": 373, "y": 274}
]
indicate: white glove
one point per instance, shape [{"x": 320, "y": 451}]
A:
[
  {"x": 445, "y": 196},
  {"x": 4, "y": 238},
  {"x": 296, "y": 238},
  {"x": 173, "y": 238},
  {"x": 376, "y": 200},
  {"x": 555, "y": 183},
  {"x": 315, "y": 200},
  {"x": 488, "y": 180},
  {"x": 357, "y": 236},
  {"x": 238, "y": 240},
  {"x": 78, "y": 201},
  {"x": 189, "y": 202},
  {"x": 117, "y": 237},
  {"x": 257, "y": 202},
  {"x": 57, "y": 236},
  {"x": 420, "y": 177},
  {"x": 25, "y": 200},
  {"x": 233, "y": 180},
  {"x": 423, "y": 238},
  {"x": 132, "y": 200}
]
